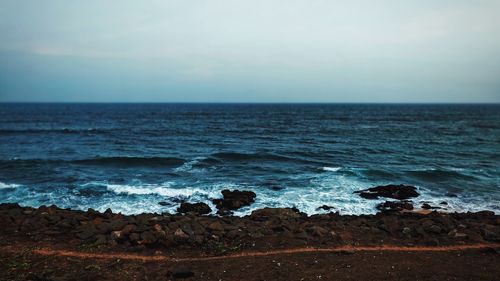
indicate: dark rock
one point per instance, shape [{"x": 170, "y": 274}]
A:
[
  {"x": 282, "y": 213},
  {"x": 490, "y": 233},
  {"x": 86, "y": 231},
  {"x": 182, "y": 272},
  {"x": 485, "y": 213},
  {"x": 216, "y": 226},
  {"x": 325, "y": 207},
  {"x": 317, "y": 231},
  {"x": 196, "y": 208},
  {"x": 233, "y": 200},
  {"x": 444, "y": 203},
  {"x": 400, "y": 192},
  {"x": 179, "y": 234},
  {"x": 163, "y": 203},
  {"x": 147, "y": 238},
  {"x": 100, "y": 240},
  {"x": 426, "y": 206},
  {"x": 394, "y": 206}
]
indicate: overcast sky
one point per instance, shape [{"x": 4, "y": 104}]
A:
[{"x": 250, "y": 51}]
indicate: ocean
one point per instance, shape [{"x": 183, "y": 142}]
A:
[{"x": 136, "y": 158}]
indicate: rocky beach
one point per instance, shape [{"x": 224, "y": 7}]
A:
[{"x": 50, "y": 243}]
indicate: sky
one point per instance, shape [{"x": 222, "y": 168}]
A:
[{"x": 250, "y": 51}]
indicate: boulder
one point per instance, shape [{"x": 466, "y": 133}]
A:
[
  {"x": 282, "y": 213},
  {"x": 394, "y": 206},
  {"x": 196, "y": 208},
  {"x": 400, "y": 192},
  {"x": 233, "y": 200}
]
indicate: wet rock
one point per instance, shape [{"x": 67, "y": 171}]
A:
[
  {"x": 325, "y": 207},
  {"x": 282, "y": 213},
  {"x": 394, "y": 206},
  {"x": 426, "y": 206},
  {"x": 163, "y": 203},
  {"x": 400, "y": 192},
  {"x": 196, "y": 208},
  {"x": 233, "y": 200}
]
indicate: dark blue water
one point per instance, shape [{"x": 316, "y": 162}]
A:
[{"x": 130, "y": 157}]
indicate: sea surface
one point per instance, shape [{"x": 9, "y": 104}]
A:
[{"x": 131, "y": 157}]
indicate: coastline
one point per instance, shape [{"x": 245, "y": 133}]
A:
[{"x": 285, "y": 231}]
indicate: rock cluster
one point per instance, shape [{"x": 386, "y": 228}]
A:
[
  {"x": 400, "y": 192},
  {"x": 264, "y": 228},
  {"x": 233, "y": 200},
  {"x": 195, "y": 208}
]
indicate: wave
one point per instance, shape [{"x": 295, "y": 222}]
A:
[
  {"x": 149, "y": 189},
  {"x": 332, "y": 169},
  {"x": 221, "y": 157},
  {"x": 132, "y": 161},
  {"x": 8, "y": 185},
  {"x": 52, "y": 131},
  {"x": 438, "y": 175}
]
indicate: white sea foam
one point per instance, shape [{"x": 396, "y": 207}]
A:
[
  {"x": 332, "y": 169},
  {"x": 188, "y": 166},
  {"x": 163, "y": 190},
  {"x": 8, "y": 185}
]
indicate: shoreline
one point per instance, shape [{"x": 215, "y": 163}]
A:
[{"x": 267, "y": 234}]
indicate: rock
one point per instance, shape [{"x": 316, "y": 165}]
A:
[
  {"x": 233, "y": 200},
  {"x": 400, "y": 192},
  {"x": 406, "y": 230},
  {"x": 317, "y": 231},
  {"x": 116, "y": 235},
  {"x": 182, "y": 272},
  {"x": 180, "y": 234},
  {"x": 216, "y": 226},
  {"x": 86, "y": 231},
  {"x": 325, "y": 207},
  {"x": 426, "y": 206},
  {"x": 148, "y": 238},
  {"x": 435, "y": 229},
  {"x": 196, "y": 208},
  {"x": 134, "y": 238},
  {"x": 490, "y": 233},
  {"x": 100, "y": 240},
  {"x": 282, "y": 213},
  {"x": 485, "y": 213},
  {"x": 460, "y": 235},
  {"x": 163, "y": 203},
  {"x": 444, "y": 203},
  {"x": 128, "y": 229},
  {"x": 394, "y": 206}
]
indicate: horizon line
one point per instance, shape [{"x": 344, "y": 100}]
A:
[{"x": 243, "y": 102}]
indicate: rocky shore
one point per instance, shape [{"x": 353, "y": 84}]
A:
[
  {"x": 264, "y": 229},
  {"x": 192, "y": 232}
]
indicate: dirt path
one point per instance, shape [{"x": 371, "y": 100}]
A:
[{"x": 291, "y": 251}]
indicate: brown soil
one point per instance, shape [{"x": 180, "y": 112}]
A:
[{"x": 47, "y": 244}]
